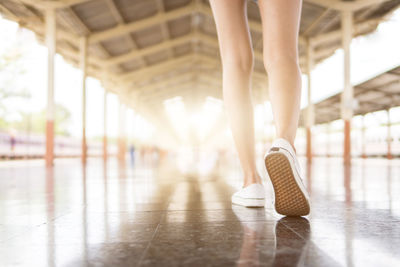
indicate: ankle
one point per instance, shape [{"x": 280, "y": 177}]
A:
[
  {"x": 252, "y": 178},
  {"x": 290, "y": 140}
]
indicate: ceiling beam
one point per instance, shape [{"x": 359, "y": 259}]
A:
[
  {"x": 185, "y": 89},
  {"x": 176, "y": 80},
  {"x": 336, "y": 35},
  {"x": 71, "y": 19},
  {"x": 165, "y": 82},
  {"x": 316, "y": 21},
  {"x": 335, "y": 4},
  {"x": 120, "y": 20},
  {"x": 345, "y": 5},
  {"x": 164, "y": 66},
  {"x": 164, "y": 27},
  {"x": 141, "y": 24},
  {"x": 43, "y": 4},
  {"x": 135, "y": 54},
  {"x": 150, "y": 70}
]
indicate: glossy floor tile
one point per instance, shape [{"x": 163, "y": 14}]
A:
[{"x": 155, "y": 214}]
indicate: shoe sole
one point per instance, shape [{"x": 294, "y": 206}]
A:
[
  {"x": 289, "y": 199},
  {"x": 249, "y": 202}
]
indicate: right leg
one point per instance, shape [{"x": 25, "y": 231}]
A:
[{"x": 237, "y": 62}]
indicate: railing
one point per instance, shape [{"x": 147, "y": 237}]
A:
[{"x": 34, "y": 146}]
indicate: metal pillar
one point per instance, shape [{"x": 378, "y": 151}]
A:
[
  {"x": 105, "y": 152},
  {"x": 347, "y": 95},
  {"x": 310, "y": 107},
  {"x": 389, "y": 135},
  {"x": 50, "y": 17},
  {"x": 347, "y": 142},
  {"x": 83, "y": 66}
]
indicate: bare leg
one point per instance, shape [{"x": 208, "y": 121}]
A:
[
  {"x": 280, "y": 20},
  {"x": 237, "y": 60}
]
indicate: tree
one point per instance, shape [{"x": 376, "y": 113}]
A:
[
  {"x": 36, "y": 122},
  {"x": 14, "y": 94},
  {"x": 11, "y": 70}
]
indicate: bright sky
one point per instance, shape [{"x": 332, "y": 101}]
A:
[
  {"x": 67, "y": 84},
  {"x": 371, "y": 55}
]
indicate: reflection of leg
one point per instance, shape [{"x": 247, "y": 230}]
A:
[
  {"x": 255, "y": 229},
  {"x": 292, "y": 237},
  {"x": 237, "y": 61},
  {"x": 249, "y": 255}
]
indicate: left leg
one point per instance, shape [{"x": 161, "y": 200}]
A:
[{"x": 237, "y": 65}]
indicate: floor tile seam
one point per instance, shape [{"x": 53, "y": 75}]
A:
[
  {"x": 152, "y": 238},
  {"x": 119, "y": 212},
  {"x": 294, "y": 231},
  {"x": 3, "y": 242},
  {"x": 199, "y": 209},
  {"x": 47, "y": 221},
  {"x": 73, "y": 243},
  {"x": 57, "y": 217},
  {"x": 214, "y": 222},
  {"x": 194, "y": 221},
  {"x": 31, "y": 228}
]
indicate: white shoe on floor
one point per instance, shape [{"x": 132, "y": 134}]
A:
[
  {"x": 250, "y": 196},
  {"x": 291, "y": 197}
]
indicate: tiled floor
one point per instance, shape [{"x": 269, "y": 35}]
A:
[{"x": 157, "y": 216}]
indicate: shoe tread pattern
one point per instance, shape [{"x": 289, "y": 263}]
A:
[{"x": 289, "y": 199}]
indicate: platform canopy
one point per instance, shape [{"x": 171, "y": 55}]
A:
[
  {"x": 151, "y": 50},
  {"x": 381, "y": 92}
]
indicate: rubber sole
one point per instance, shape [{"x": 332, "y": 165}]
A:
[
  {"x": 249, "y": 202},
  {"x": 289, "y": 199}
]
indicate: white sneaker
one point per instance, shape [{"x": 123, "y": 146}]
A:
[
  {"x": 250, "y": 196},
  {"x": 291, "y": 197}
]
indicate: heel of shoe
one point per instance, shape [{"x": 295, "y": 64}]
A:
[{"x": 289, "y": 198}]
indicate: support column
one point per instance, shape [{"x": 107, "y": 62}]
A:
[
  {"x": 310, "y": 107},
  {"x": 105, "y": 152},
  {"x": 121, "y": 137},
  {"x": 347, "y": 94},
  {"x": 83, "y": 66},
  {"x": 389, "y": 135},
  {"x": 347, "y": 142},
  {"x": 50, "y": 17}
]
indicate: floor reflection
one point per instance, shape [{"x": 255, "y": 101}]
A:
[
  {"x": 273, "y": 243},
  {"x": 291, "y": 245},
  {"x": 151, "y": 214},
  {"x": 347, "y": 182},
  {"x": 50, "y": 215}
]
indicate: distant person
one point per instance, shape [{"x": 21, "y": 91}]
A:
[
  {"x": 13, "y": 142},
  {"x": 280, "y": 22},
  {"x": 132, "y": 154}
]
